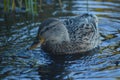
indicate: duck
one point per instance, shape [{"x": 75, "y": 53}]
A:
[{"x": 69, "y": 36}]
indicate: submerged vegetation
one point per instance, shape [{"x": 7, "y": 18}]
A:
[
  {"x": 13, "y": 11},
  {"x": 30, "y": 6}
]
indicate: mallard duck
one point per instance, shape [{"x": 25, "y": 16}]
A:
[{"x": 73, "y": 35}]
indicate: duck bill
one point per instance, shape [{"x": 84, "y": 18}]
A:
[{"x": 36, "y": 43}]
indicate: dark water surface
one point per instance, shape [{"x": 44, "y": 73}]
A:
[{"x": 17, "y": 34}]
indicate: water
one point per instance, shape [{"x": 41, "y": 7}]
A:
[{"x": 16, "y": 63}]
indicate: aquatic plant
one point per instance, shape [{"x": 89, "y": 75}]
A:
[
  {"x": 29, "y": 6},
  {"x": 6, "y": 5}
]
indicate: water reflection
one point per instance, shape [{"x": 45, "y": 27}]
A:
[
  {"x": 16, "y": 34},
  {"x": 78, "y": 66},
  {"x": 59, "y": 68}
]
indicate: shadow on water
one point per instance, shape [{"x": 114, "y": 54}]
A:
[
  {"x": 57, "y": 69},
  {"x": 17, "y": 32}
]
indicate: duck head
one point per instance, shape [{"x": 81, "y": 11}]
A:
[{"x": 50, "y": 31}]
